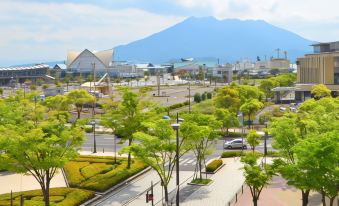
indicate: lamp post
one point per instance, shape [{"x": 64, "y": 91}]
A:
[
  {"x": 95, "y": 142},
  {"x": 240, "y": 114},
  {"x": 265, "y": 141},
  {"x": 115, "y": 144},
  {"x": 176, "y": 128},
  {"x": 189, "y": 97}
]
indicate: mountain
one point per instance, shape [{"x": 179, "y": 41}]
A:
[{"x": 229, "y": 40}]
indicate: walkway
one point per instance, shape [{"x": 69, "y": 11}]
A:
[
  {"x": 17, "y": 182},
  {"x": 278, "y": 193}
]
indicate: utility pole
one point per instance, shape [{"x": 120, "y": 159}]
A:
[
  {"x": 94, "y": 81},
  {"x": 158, "y": 82},
  {"x": 189, "y": 97},
  {"x": 278, "y": 52}
]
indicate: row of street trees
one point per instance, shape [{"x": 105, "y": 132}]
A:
[{"x": 308, "y": 144}]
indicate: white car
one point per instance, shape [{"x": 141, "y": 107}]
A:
[{"x": 236, "y": 143}]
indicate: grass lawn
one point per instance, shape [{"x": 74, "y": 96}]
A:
[
  {"x": 58, "y": 197},
  {"x": 201, "y": 181},
  {"x": 100, "y": 173}
]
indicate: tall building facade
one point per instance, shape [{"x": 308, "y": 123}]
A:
[{"x": 321, "y": 67}]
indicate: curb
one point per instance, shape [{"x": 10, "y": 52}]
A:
[
  {"x": 215, "y": 171},
  {"x": 102, "y": 195}
]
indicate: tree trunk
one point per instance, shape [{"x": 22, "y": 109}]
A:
[
  {"x": 332, "y": 201},
  {"x": 255, "y": 202},
  {"x": 254, "y": 197},
  {"x": 249, "y": 121},
  {"x": 45, "y": 191},
  {"x": 305, "y": 194},
  {"x": 323, "y": 198},
  {"x": 166, "y": 194},
  {"x": 78, "y": 114},
  {"x": 200, "y": 172},
  {"x": 129, "y": 154}
]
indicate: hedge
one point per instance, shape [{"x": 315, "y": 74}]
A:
[
  {"x": 58, "y": 197},
  {"x": 212, "y": 166},
  {"x": 100, "y": 173},
  {"x": 237, "y": 154},
  {"x": 176, "y": 106}
]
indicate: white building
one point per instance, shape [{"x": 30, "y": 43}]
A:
[{"x": 86, "y": 61}]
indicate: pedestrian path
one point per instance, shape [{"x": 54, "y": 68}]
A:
[{"x": 226, "y": 182}]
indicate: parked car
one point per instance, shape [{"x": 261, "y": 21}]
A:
[
  {"x": 236, "y": 143},
  {"x": 282, "y": 109}
]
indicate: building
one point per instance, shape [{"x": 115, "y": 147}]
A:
[
  {"x": 12, "y": 75},
  {"x": 58, "y": 71},
  {"x": 321, "y": 67},
  {"x": 274, "y": 63},
  {"x": 86, "y": 61}
]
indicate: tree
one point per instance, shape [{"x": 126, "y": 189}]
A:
[
  {"x": 253, "y": 139},
  {"x": 129, "y": 114},
  {"x": 203, "y": 96},
  {"x": 58, "y": 103},
  {"x": 320, "y": 90},
  {"x": 67, "y": 80},
  {"x": 79, "y": 98},
  {"x": 247, "y": 92},
  {"x": 250, "y": 107},
  {"x": 256, "y": 177},
  {"x": 1, "y": 92},
  {"x": 37, "y": 149},
  {"x": 228, "y": 98},
  {"x": 319, "y": 157},
  {"x": 199, "y": 131},
  {"x": 45, "y": 86},
  {"x": 33, "y": 87},
  {"x": 228, "y": 119},
  {"x": 266, "y": 86},
  {"x": 157, "y": 148},
  {"x": 197, "y": 97}
]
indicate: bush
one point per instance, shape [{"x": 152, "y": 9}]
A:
[
  {"x": 100, "y": 173},
  {"x": 197, "y": 97},
  {"x": 212, "y": 166},
  {"x": 231, "y": 154},
  {"x": 88, "y": 129},
  {"x": 58, "y": 197},
  {"x": 272, "y": 154},
  {"x": 203, "y": 96},
  {"x": 94, "y": 169},
  {"x": 209, "y": 95},
  {"x": 175, "y": 106},
  {"x": 228, "y": 154}
]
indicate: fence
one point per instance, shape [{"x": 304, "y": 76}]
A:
[{"x": 237, "y": 195}]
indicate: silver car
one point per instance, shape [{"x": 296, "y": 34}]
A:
[{"x": 236, "y": 143}]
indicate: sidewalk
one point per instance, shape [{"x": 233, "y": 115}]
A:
[
  {"x": 226, "y": 182},
  {"x": 17, "y": 182},
  {"x": 278, "y": 193}
]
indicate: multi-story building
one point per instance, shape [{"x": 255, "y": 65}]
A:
[{"x": 321, "y": 67}]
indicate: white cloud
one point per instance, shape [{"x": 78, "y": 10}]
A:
[
  {"x": 313, "y": 19},
  {"x": 41, "y": 31}
]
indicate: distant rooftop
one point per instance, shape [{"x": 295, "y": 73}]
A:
[
  {"x": 38, "y": 66},
  {"x": 326, "y": 47}
]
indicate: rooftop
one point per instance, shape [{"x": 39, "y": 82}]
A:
[{"x": 38, "y": 66}]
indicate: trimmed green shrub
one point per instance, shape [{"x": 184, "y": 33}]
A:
[
  {"x": 231, "y": 154},
  {"x": 212, "y": 166},
  {"x": 100, "y": 173},
  {"x": 176, "y": 106},
  {"x": 73, "y": 174},
  {"x": 197, "y": 97},
  {"x": 209, "y": 95},
  {"x": 94, "y": 169},
  {"x": 203, "y": 96},
  {"x": 58, "y": 197}
]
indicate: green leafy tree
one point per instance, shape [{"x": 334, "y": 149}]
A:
[
  {"x": 247, "y": 92},
  {"x": 203, "y": 96},
  {"x": 79, "y": 98},
  {"x": 129, "y": 114},
  {"x": 199, "y": 130},
  {"x": 58, "y": 102},
  {"x": 320, "y": 90},
  {"x": 33, "y": 87},
  {"x": 266, "y": 86},
  {"x": 318, "y": 156},
  {"x": 256, "y": 177},
  {"x": 250, "y": 108},
  {"x": 38, "y": 149},
  {"x": 228, "y": 119},
  {"x": 253, "y": 139},
  {"x": 157, "y": 147},
  {"x": 228, "y": 98},
  {"x": 45, "y": 86}
]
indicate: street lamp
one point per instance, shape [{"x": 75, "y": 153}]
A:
[
  {"x": 265, "y": 140},
  {"x": 115, "y": 144},
  {"x": 176, "y": 128},
  {"x": 240, "y": 114},
  {"x": 95, "y": 142}
]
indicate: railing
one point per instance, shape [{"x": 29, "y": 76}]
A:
[{"x": 235, "y": 198}]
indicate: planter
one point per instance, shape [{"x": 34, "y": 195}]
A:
[{"x": 201, "y": 184}]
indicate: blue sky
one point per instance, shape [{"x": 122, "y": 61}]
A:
[{"x": 43, "y": 30}]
